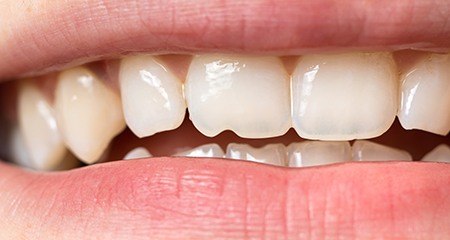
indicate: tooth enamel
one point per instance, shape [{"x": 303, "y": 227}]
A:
[
  {"x": 152, "y": 96},
  {"x": 40, "y": 132},
  {"x": 425, "y": 95},
  {"x": 208, "y": 150},
  {"x": 248, "y": 95},
  {"x": 344, "y": 96},
  {"x": 17, "y": 149},
  {"x": 369, "y": 151},
  {"x": 440, "y": 153},
  {"x": 274, "y": 154},
  {"x": 314, "y": 153},
  {"x": 139, "y": 152},
  {"x": 89, "y": 114}
]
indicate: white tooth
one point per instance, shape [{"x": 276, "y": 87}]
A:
[
  {"x": 139, "y": 152},
  {"x": 274, "y": 154},
  {"x": 440, "y": 153},
  {"x": 248, "y": 95},
  {"x": 314, "y": 153},
  {"x": 89, "y": 114},
  {"x": 425, "y": 95},
  {"x": 17, "y": 149},
  {"x": 370, "y": 151},
  {"x": 41, "y": 135},
  {"x": 152, "y": 96},
  {"x": 208, "y": 150},
  {"x": 344, "y": 96}
]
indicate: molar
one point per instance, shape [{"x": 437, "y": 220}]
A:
[{"x": 248, "y": 95}]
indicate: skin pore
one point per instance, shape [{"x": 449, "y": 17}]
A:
[{"x": 180, "y": 198}]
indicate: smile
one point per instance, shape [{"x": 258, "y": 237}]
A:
[{"x": 225, "y": 122}]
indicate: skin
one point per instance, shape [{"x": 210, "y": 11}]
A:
[{"x": 170, "y": 198}]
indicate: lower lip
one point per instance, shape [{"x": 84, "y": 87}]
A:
[{"x": 166, "y": 196}]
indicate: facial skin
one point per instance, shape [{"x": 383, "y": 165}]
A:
[{"x": 177, "y": 198}]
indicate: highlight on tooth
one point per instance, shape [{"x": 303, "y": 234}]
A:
[{"x": 211, "y": 150}]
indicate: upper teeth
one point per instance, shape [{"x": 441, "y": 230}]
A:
[
  {"x": 334, "y": 97},
  {"x": 151, "y": 96},
  {"x": 248, "y": 95},
  {"x": 40, "y": 131},
  {"x": 425, "y": 95},
  {"x": 89, "y": 113},
  {"x": 345, "y": 96}
]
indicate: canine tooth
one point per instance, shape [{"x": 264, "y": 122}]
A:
[
  {"x": 344, "y": 96},
  {"x": 370, "y": 151},
  {"x": 274, "y": 154},
  {"x": 208, "y": 150},
  {"x": 425, "y": 95},
  {"x": 314, "y": 153},
  {"x": 89, "y": 114},
  {"x": 37, "y": 123},
  {"x": 248, "y": 95},
  {"x": 152, "y": 96},
  {"x": 139, "y": 152},
  {"x": 440, "y": 153}
]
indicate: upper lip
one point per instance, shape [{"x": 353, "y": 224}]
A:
[{"x": 47, "y": 38}]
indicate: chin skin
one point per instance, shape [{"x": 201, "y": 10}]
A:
[{"x": 182, "y": 198}]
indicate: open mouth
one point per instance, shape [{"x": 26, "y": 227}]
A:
[
  {"x": 326, "y": 99},
  {"x": 332, "y": 124}
]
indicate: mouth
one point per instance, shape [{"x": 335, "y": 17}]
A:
[{"x": 318, "y": 122}]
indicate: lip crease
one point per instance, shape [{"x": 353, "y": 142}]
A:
[{"x": 173, "y": 198}]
